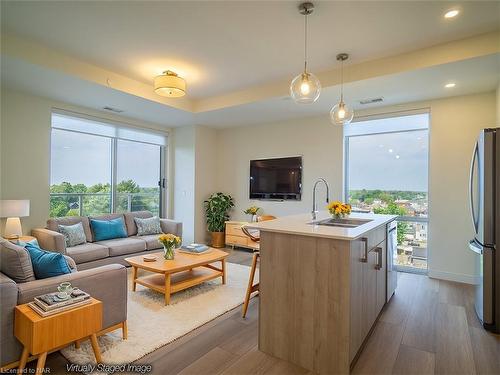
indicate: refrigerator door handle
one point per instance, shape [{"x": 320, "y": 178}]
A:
[
  {"x": 475, "y": 247},
  {"x": 471, "y": 187}
]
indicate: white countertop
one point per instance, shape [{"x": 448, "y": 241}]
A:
[{"x": 300, "y": 225}]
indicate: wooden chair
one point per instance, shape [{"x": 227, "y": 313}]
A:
[{"x": 254, "y": 235}]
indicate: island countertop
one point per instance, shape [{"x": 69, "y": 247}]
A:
[{"x": 303, "y": 225}]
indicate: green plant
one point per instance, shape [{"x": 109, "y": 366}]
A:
[{"x": 217, "y": 211}]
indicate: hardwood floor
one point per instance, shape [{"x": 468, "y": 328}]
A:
[{"x": 429, "y": 327}]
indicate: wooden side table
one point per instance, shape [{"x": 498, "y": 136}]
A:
[
  {"x": 41, "y": 335},
  {"x": 22, "y": 238}
]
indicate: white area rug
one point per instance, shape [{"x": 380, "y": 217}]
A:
[{"x": 152, "y": 325}]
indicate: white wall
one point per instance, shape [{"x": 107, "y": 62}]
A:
[
  {"x": 315, "y": 139},
  {"x": 455, "y": 124},
  {"x": 183, "y": 143},
  {"x": 25, "y": 149}
]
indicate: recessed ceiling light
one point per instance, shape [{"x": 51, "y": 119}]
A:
[
  {"x": 397, "y": 156},
  {"x": 450, "y": 85},
  {"x": 390, "y": 150},
  {"x": 452, "y": 13}
]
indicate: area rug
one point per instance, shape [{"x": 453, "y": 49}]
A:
[{"x": 152, "y": 325}]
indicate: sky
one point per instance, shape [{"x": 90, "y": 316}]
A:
[
  {"x": 86, "y": 159},
  {"x": 392, "y": 161}
]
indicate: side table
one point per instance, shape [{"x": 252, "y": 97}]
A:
[{"x": 41, "y": 335}]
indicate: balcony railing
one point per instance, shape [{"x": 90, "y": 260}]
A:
[{"x": 88, "y": 204}]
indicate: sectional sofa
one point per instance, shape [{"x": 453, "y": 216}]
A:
[{"x": 97, "y": 253}]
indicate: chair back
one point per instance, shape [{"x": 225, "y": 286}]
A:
[
  {"x": 253, "y": 234},
  {"x": 266, "y": 217}
]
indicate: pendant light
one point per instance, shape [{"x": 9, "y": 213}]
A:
[
  {"x": 305, "y": 88},
  {"x": 341, "y": 114}
]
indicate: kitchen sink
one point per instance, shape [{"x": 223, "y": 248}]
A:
[{"x": 345, "y": 223}]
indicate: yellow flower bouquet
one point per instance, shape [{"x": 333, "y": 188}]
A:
[
  {"x": 252, "y": 210},
  {"x": 170, "y": 242},
  {"x": 338, "y": 209}
]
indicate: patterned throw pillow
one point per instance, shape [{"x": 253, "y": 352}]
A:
[
  {"x": 73, "y": 234},
  {"x": 147, "y": 226}
]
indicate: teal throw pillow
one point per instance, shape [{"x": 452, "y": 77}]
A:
[
  {"x": 150, "y": 225},
  {"x": 46, "y": 263},
  {"x": 108, "y": 229},
  {"x": 73, "y": 234}
]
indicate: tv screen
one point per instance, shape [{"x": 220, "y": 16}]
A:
[{"x": 279, "y": 178}]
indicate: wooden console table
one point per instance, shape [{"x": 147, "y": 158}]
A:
[{"x": 236, "y": 237}]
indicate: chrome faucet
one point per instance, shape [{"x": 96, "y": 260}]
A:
[{"x": 314, "y": 211}]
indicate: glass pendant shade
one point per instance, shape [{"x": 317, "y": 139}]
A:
[
  {"x": 341, "y": 114},
  {"x": 305, "y": 88}
]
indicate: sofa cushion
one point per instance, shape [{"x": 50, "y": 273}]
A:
[
  {"x": 73, "y": 234},
  {"x": 15, "y": 262},
  {"x": 148, "y": 226},
  {"x": 108, "y": 229},
  {"x": 53, "y": 224},
  {"x": 120, "y": 246},
  {"x": 130, "y": 222},
  {"x": 87, "y": 252},
  {"x": 151, "y": 241},
  {"x": 47, "y": 263}
]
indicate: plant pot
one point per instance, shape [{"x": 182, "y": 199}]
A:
[{"x": 218, "y": 239}]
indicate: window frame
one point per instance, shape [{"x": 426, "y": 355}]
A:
[
  {"x": 414, "y": 219},
  {"x": 163, "y": 181}
]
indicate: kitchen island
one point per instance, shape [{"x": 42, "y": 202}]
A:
[{"x": 322, "y": 288}]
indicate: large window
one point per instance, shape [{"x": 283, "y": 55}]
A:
[
  {"x": 387, "y": 172},
  {"x": 98, "y": 168}
]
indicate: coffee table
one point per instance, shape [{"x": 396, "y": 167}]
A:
[{"x": 184, "y": 271}]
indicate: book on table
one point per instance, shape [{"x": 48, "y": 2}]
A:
[
  {"x": 195, "y": 248},
  {"x": 51, "y": 303}
]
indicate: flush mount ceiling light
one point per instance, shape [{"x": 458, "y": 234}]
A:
[
  {"x": 169, "y": 84},
  {"x": 341, "y": 114},
  {"x": 305, "y": 88},
  {"x": 452, "y": 13},
  {"x": 450, "y": 85}
]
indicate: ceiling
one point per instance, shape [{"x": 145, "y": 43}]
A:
[
  {"x": 224, "y": 46},
  {"x": 238, "y": 49}
]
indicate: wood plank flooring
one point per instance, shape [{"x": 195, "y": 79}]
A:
[{"x": 429, "y": 327}]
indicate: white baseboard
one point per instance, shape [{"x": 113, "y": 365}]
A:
[{"x": 458, "y": 277}]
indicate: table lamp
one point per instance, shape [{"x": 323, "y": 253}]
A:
[{"x": 13, "y": 210}]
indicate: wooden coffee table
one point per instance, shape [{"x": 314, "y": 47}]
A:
[{"x": 185, "y": 271}]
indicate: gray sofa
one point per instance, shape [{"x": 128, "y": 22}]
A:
[
  {"x": 93, "y": 254},
  {"x": 107, "y": 283}
]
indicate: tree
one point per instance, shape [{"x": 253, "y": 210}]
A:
[{"x": 393, "y": 209}]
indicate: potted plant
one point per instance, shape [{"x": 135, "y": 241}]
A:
[
  {"x": 252, "y": 211},
  {"x": 217, "y": 209}
]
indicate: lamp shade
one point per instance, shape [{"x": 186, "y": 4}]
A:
[
  {"x": 14, "y": 208},
  {"x": 169, "y": 84}
]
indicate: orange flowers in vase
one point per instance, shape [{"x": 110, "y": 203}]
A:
[{"x": 338, "y": 209}]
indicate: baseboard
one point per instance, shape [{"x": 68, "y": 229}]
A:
[{"x": 450, "y": 276}]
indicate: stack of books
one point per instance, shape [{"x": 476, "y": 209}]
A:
[
  {"x": 195, "y": 248},
  {"x": 51, "y": 303}
]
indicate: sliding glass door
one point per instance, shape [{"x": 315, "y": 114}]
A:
[
  {"x": 387, "y": 172},
  {"x": 138, "y": 180},
  {"x": 99, "y": 168}
]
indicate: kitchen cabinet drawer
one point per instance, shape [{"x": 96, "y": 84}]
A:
[{"x": 376, "y": 236}]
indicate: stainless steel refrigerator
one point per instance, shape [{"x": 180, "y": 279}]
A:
[{"x": 484, "y": 187}]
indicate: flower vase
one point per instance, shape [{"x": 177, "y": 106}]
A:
[
  {"x": 254, "y": 218},
  {"x": 168, "y": 252}
]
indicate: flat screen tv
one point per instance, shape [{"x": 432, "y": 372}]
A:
[{"x": 276, "y": 179}]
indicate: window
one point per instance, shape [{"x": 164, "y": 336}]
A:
[
  {"x": 98, "y": 168},
  {"x": 387, "y": 172}
]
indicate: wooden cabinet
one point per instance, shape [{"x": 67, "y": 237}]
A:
[
  {"x": 368, "y": 285},
  {"x": 236, "y": 237}
]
